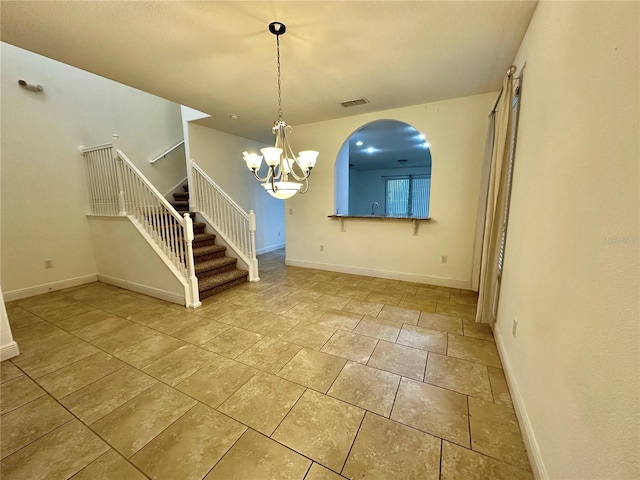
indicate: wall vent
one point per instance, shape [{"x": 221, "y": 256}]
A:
[{"x": 355, "y": 102}]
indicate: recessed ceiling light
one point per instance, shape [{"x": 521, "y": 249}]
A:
[
  {"x": 371, "y": 150},
  {"x": 359, "y": 143},
  {"x": 233, "y": 116}
]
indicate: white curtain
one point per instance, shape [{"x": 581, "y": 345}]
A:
[{"x": 496, "y": 197}]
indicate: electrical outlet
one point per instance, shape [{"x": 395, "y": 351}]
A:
[
  {"x": 443, "y": 259},
  {"x": 48, "y": 264},
  {"x": 322, "y": 248},
  {"x": 291, "y": 211},
  {"x": 514, "y": 327}
]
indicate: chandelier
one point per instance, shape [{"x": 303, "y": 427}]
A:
[{"x": 283, "y": 165}]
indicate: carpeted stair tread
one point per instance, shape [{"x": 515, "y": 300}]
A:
[
  {"x": 214, "y": 264},
  {"x": 181, "y": 196},
  {"x": 201, "y": 237},
  {"x": 221, "y": 279},
  {"x": 208, "y": 250},
  {"x": 181, "y": 204}
]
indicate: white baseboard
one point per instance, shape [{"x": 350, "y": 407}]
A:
[
  {"x": 270, "y": 248},
  {"x": 48, "y": 287},
  {"x": 8, "y": 351},
  {"x": 369, "y": 272},
  {"x": 136, "y": 287},
  {"x": 533, "y": 450}
]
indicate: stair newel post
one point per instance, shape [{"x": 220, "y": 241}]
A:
[
  {"x": 194, "y": 296},
  {"x": 253, "y": 266},
  {"x": 122, "y": 207}
]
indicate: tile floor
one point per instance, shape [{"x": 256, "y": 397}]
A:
[{"x": 304, "y": 375}]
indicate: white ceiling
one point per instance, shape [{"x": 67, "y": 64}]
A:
[{"x": 218, "y": 57}]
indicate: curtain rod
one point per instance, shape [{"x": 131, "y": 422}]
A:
[{"x": 510, "y": 71}]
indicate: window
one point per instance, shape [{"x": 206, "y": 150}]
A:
[
  {"x": 407, "y": 196},
  {"x": 515, "y": 111}
]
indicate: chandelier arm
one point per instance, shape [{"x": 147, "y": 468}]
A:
[
  {"x": 305, "y": 186},
  {"x": 259, "y": 178}
]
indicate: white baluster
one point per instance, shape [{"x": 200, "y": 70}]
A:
[
  {"x": 194, "y": 300},
  {"x": 122, "y": 208},
  {"x": 253, "y": 267}
]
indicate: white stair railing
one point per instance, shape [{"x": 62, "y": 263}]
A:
[
  {"x": 117, "y": 187},
  {"x": 236, "y": 227}
]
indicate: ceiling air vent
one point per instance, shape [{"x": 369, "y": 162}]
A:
[{"x": 355, "y": 102}]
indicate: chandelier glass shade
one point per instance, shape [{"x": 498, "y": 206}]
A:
[{"x": 287, "y": 174}]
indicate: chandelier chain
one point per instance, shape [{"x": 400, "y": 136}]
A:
[{"x": 279, "y": 83}]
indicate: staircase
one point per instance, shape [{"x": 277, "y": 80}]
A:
[{"x": 215, "y": 271}]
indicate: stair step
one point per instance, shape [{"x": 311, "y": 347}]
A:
[
  {"x": 214, "y": 267},
  {"x": 223, "y": 281},
  {"x": 185, "y": 187},
  {"x": 202, "y": 254},
  {"x": 199, "y": 227},
  {"x": 181, "y": 196},
  {"x": 203, "y": 239},
  {"x": 181, "y": 205}
]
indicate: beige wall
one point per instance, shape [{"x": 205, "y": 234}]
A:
[
  {"x": 219, "y": 154},
  {"x": 44, "y": 192},
  {"x": 571, "y": 275},
  {"x": 456, "y": 131}
]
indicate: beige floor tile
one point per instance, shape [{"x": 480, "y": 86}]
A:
[
  {"x": 17, "y": 392},
  {"x": 216, "y": 310},
  {"x": 495, "y": 432},
  {"x": 23, "y": 318},
  {"x": 179, "y": 364},
  {"x": 304, "y": 312},
  {"x": 474, "y": 350},
  {"x": 30, "y": 422},
  {"x": 49, "y": 458},
  {"x": 272, "y": 325},
  {"x": 105, "y": 395},
  {"x": 150, "y": 314},
  {"x": 232, "y": 342},
  {"x": 366, "y": 387},
  {"x": 375, "y": 283},
  {"x": 243, "y": 317},
  {"x": 190, "y": 447},
  {"x": 102, "y": 328},
  {"x": 35, "y": 330},
  {"x": 149, "y": 350},
  {"x": 262, "y": 402},
  {"x": 363, "y": 307},
  {"x": 351, "y": 346},
  {"x": 132, "y": 425},
  {"x": 269, "y": 354},
  {"x": 45, "y": 309},
  {"x": 36, "y": 346},
  {"x": 359, "y": 293},
  {"x": 386, "y": 449},
  {"x": 499, "y": 387},
  {"x": 217, "y": 381},
  {"x": 8, "y": 371},
  {"x": 84, "y": 319},
  {"x": 458, "y": 463},
  {"x": 461, "y": 376},
  {"x": 464, "y": 297},
  {"x": 329, "y": 302},
  {"x": 318, "y": 472},
  {"x": 64, "y": 313},
  {"x": 201, "y": 332},
  {"x": 174, "y": 322},
  {"x": 468, "y": 312},
  {"x": 438, "y": 321},
  {"x": 394, "y": 358},
  {"x": 339, "y": 320},
  {"x": 399, "y": 314},
  {"x": 477, "y": 330},
  {"x": 329, "y": 288},
  {"x": 434, "y": 292},
  {"x": 108, "y": 466},
  {"x": 434, "y": 410},
  {"x": 123, "y": 338},
  {"x": 79, "y": 374},
  {"x": 382, "y": 329},
  {"x": 321, "y": 428},
  {"x": 128, "y": 308},
  {"x": 401, "y": 288},
  {"x": 313, "y": 369},
  {"x": 423, "y": 338},
  {"x": 385, "y": 298},
  {"x": 417, "y": 302},
  {"x": 58, "y": 357},
  {"x": 277, "y": 305},
  {"x": 309, "y": 334},
  {"x": 255, "y": 457}
]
